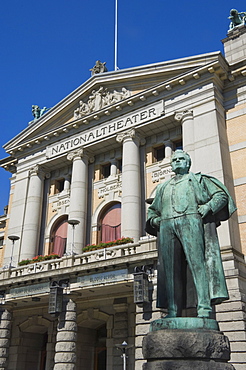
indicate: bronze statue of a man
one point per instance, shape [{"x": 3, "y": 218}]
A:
[{"x": 185, "y": 213}]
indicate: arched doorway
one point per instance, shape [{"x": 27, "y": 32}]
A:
[
  {"x": 93, "y": 350},
  {"x": 59, "y": 236},
  {"x": 100, "y": 357},
  {"x": 110, "y": 223},
  {"x": 91, "y": 347},
  {"x": 36, "y": 347}
]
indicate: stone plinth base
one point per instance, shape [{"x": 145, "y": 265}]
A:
[
  {"x": 187, "y": 365},
  {"x": 173, "y": 345}
]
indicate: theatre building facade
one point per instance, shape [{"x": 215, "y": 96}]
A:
[{"x": 83, "y": 175}]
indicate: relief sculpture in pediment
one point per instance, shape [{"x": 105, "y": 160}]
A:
[{"x": 99, "y": 99}]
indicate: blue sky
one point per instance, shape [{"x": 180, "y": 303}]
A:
[{"x": 48, "y": 47}]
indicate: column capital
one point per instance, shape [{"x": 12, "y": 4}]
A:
[
  {"x": 76, "y": 154},
  {"x": 129, "y": 134},
  {"x": 182, "y": 115},
  {"x": 37, "y": 170},
  {"x": 79, "y": 154},
  {"x": 168, "y": 142}
]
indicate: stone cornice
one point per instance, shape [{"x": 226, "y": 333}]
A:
[
  {"x": 9, "y": 164},
  {"x": 218, "y": 68}
]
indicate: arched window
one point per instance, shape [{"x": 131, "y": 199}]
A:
[
  {"x": 59, "y": 237},
  {"x": 111, "y": 223}
]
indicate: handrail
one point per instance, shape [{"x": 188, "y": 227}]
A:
[{"x": 145, "y": 245}]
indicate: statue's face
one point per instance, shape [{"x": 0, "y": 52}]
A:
[{"x": 180, "y": 164}]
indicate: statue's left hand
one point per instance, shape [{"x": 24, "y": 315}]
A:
[
  {"x": 156, "y": 222},
  {"x": 203, "y": 210}
]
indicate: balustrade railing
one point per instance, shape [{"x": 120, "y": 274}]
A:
[{"x": 145, "y": 245}]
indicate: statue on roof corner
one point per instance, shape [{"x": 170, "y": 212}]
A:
[
  {"x": 99, "y": 67},
  {"x": 37, "y": 112},
  {"x": 184, "y": 215},
  {"x": 236, "y": 18}
]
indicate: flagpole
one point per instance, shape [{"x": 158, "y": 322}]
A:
[{"x": 116, "y": 36}]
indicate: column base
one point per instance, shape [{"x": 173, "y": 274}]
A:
[{"x": 172, "y": 344}]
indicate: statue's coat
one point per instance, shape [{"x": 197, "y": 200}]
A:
[{"x": 215, "y": 273}]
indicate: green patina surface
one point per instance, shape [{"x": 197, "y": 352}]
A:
[
  {"x": 183, "y": 323},
  {"x": 184, "y": 214}
]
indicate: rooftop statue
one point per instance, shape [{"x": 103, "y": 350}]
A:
[
  {"x": 184, "y": 215},
  {"x": 99, "y": 67},
  {"x": 37, "y": 112},
  {"x": 236, "y": 18}
]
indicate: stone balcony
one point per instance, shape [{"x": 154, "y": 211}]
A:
[{"x": 112, "y": 258}]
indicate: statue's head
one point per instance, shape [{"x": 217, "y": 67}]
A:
[
  {"x": 180, "y": 162},
  {"x": 233, "y": 12},
  {"x": 235, "y": 17}
]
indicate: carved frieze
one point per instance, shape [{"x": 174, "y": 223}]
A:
[
  {"x": 99, "y": 99},
  {"x": 162, "y": 173},
  {"x": 56, "y": 206},
  {"x": 112, "y": 186},
  {"x": 60, "y": 201}
]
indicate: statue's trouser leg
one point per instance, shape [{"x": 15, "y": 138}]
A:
[
  {"x": 167, "y": 252},
  {"x": 190, "y": 231}
]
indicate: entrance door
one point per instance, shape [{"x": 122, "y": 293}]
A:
[
  {"x": 100, "y": 358},
  {"x": 32, "y": 351},
  {"x": 91, "y": 346},
  {"x": 43, "y": 353},
  {"x": 101, "y": 350}
]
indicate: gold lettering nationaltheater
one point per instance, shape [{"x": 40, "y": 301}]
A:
[{"x": 106, "y": 130}]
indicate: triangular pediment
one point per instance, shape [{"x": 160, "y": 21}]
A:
[{"x": 107, "y": 92}]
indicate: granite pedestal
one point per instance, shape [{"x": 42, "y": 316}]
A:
[{"x": 186, "y": 343}]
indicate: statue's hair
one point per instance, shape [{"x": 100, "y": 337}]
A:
[
  {"x": 186, "y": 155},
  {"x": 233, "y": 12}
]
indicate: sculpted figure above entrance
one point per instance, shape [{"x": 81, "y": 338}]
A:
[
  {"x": 99, "y": 99},
  {"x": 184, "y": 215}
]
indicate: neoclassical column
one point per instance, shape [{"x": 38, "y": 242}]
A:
[
  {"x": 78, "y": 199},
  {"x": 113, "y": 168},
  {"x": 65, "y": 349},
  {"x": 131, "y": 197},
  {"x": 32, "y": 219},
  {"x": 5, "y": 331},
  {"x": 168, "y": 148},
  {"x": 67, "y": 183},
  {"x": 186, "y": 118}
]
